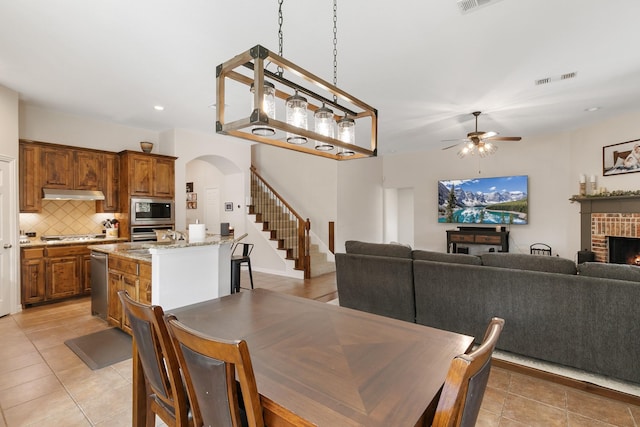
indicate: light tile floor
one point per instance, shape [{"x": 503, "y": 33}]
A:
[{"x": 43, "y": 383}]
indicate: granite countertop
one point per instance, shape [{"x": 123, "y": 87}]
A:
[
  {"x": 37, "y": 243},
  {"x": 142, "y": 250}
]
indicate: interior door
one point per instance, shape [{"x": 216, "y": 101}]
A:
[
  {"x": 8, "y": 248},
  {"x": 212, "y": 210}
]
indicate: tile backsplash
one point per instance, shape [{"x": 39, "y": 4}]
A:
[{"x": 60, "y": 217}]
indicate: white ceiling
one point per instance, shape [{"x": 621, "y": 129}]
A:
[{"x": 422, "y": 63}]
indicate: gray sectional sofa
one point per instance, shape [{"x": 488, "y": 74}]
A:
[{"x": 583, "y": 316}]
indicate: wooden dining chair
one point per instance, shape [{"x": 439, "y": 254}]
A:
[
  {"x": 209, "y": 366},
  {"x": 466, "y": 382},
  {"x": 165, "y": 392}
]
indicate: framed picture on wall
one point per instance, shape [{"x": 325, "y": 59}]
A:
[
  {"x": 192, "y": 205},
  {"x": 189, "y": 187},
  {"x": 228, "y": 206},
  {"x": 620, "y": 158},
  {"x": 192, "y": 197}
]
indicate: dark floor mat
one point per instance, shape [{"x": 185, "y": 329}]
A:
[{"x": 102, "y": 348}]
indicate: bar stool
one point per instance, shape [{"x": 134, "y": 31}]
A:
[{"x": 237, "y": 261}]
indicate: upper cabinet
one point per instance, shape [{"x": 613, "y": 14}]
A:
[
  {"x": 30, "y": 183},
  {"x": 148, "y": 175},
  {"x": 118, "y": 175},
  {"x": 44, "y": 165},
  {"x": 88, "y": 170},
  {"x": 110, "y": 184},
  {"x": 56, "y": 167}
]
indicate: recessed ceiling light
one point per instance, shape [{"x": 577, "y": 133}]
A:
[
  {"x": 591, "y": 109},
  {"x": 158, "y": 107}
]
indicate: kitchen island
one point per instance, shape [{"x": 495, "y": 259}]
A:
[{"x": 181, "y": 272}]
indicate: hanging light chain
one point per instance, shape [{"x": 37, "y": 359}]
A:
[
  {"x": 335, "y": 46},
  {"x": 280, "y": 22}
]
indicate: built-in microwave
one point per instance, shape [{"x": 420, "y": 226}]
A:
[{"x": 146, "y": 211}]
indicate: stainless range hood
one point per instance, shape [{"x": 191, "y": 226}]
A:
[{"x": 57, "y": 194}]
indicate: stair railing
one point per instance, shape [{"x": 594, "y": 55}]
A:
[{"x": 291, "y": 230}]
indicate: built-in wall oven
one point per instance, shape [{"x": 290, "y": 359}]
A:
[
  {"x": 149, "y": 215},
  {"x": 147, "y": 233}
]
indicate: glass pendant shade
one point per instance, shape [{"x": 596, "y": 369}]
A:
[
  {"x": 268, "y": 107},
  {"x": 296, "y": 107},
  {"x": 323, "y": 124},
  {"x": 346, "y": 133}
]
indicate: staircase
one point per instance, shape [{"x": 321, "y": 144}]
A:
[{"x": 288, "y": 230}]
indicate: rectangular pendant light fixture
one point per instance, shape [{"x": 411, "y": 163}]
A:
[{"x": 249, "y": 69}]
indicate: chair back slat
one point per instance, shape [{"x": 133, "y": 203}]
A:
[
  {"x": 466, "y": 382},
  {"x": 209, "y": 378},
  {"x": 166, "y": 394},
  {"x": 205, "y": 360}
]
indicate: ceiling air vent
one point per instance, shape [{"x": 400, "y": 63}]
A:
[
  {"x": 467, "y": 6},
  {"x": 547, "y": 80}
]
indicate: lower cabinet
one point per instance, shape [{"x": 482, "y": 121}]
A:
[
  {"x": 132, "y": 276},
  {"x": 53, "y": 273},
  {"x": 32, "y": 275}
]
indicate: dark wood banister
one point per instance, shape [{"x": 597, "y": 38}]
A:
[{"x": 303, "y": 260}]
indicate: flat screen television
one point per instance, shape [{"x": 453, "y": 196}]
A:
[{"x": 497, "y": 200}]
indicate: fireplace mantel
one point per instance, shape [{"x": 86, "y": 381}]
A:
[{"x": 602, "y": 205}]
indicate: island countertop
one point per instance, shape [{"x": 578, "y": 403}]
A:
[
  {"x": 183, "y": 272},
  {"x": 143, "y": 250}
]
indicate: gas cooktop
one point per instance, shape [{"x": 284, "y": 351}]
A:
[{"x": 71, "y": 237}]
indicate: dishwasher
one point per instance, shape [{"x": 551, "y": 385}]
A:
[{"x": 99, "y": 293}]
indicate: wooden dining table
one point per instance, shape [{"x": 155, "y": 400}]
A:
[{"x": 326, "y": 365}]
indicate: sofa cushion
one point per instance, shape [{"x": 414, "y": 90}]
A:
[
  {"x": 443, "y": 257},
  {"x": 529, "y": 262},
  {"x": 610, "y": 271},
  {"x": 378, "y": 249}
]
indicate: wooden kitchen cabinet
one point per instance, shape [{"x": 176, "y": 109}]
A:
[
  {"x": 149, "y": 175},
  {"x": 110, "y": 184},
  {"x": 45, "y": 165},
  {"x": 30, "y": 182},
  {"x": 85, "y": 281},
  {"x": 88, "y": 170},
  {"x": 32, "y": 275},
  {"x": 56, "y": 168},
  {"x": 63, "y": 277},
  {"x": 53, "y": 273},
  {"x": 132, "y": 276},
  {"x": 68, "y": 271},
  {"x": 71, "y": 169},
  {"x": 164, "y": 178}
]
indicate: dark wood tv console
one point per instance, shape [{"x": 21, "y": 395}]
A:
[{"x": 477, "y": 236}]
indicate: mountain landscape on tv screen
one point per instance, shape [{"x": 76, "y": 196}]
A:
[{"x": 498, "y": 200}]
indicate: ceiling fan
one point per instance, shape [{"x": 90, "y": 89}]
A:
[{"x": 480, "y": 141}]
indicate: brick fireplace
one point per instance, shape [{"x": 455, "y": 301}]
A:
[
  {"x": 605, "y": 225},
  {"x": 604, "y": 217}
]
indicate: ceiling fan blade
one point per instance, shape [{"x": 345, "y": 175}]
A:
[
  {"x": 505, "y": 138},
  {"x": 451, "y": 146},
  {"x": 457, "y": 139},
  {"x": 487, "y": 135}
]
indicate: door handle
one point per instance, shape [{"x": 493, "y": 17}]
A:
[{"x": 7, "y": 245}]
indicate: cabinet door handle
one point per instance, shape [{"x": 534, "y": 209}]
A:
[{"x": 7, "y": 245}]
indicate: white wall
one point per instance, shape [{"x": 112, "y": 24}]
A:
[
  {"x": 360, "y": 201},
  {"x": 52, "y": 126},
  {"x": 9, "y": 150},
  {"x": 308, "y": 183},
  {"x": 553, "y": 164}
]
